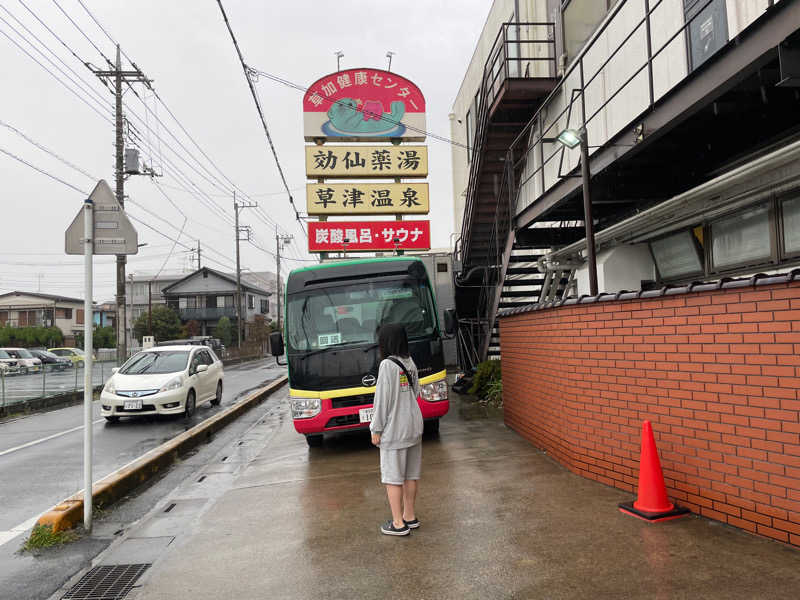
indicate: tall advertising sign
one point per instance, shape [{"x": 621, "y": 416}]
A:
[
  {"x": 363, "y": 105},
  {"x": 355, "y": 106}
]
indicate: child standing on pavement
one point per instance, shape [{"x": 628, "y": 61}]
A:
[{"x": 397, "y": 428}]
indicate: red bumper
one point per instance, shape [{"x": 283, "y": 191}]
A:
[{"x": 320, "y": 423}]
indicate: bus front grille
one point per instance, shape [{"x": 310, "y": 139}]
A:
[
  {"x": 343, "y": 420},
  {"x": 347, "y": 401}
]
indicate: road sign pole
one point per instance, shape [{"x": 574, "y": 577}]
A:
[{"x": 88, "y": 388}]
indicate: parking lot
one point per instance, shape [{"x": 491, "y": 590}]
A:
[{"x": 17, "y": 389}]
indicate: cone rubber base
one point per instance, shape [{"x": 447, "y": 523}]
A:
[{"x": 653, "y": 517}]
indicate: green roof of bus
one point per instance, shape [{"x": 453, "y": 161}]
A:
[{"x": 360, "y": 261}]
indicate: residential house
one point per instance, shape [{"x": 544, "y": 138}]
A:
[
  {"x": 34, "y": 309},
  {"x": 207, "y": 295},
  {"x": 105, "y": 314}
]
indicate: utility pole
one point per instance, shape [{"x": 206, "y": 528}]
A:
[
  {"x": 198, "y": 255},
  {"x": 280, "y": 243},
  {"x": 119, "y": 76},
  {"x": 149, "y": 307},
  {"x": 246, "y": 229}
]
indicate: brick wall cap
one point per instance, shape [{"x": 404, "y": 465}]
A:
[
  {"x": 725, "y": 283},
  {"x": 607, "y": 296},
  {"x": 628, "y": 295}
]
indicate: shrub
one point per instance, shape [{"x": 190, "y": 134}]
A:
[{"x": 487, "y": 372}]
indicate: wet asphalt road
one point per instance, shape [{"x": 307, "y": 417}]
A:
[{"x": 34, "y": 478}]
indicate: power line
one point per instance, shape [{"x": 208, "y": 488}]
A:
[
  {"x": 262, "y": 215},
  {"x": 97, "y": 97},
  {"x": 47, "y": 150},
  {"x": 261, "y": 115},
  {"x": 100, "y": 52},
  {"x": 54, "y": 76},
  {"x": 43, "y": 172}
]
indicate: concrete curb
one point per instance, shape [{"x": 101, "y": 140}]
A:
[
  {"x": 48, "y": 403},
  {"x": 67, "y": 513}
]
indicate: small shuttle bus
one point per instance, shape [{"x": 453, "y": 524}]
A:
[{"x": 332, "y": 315}]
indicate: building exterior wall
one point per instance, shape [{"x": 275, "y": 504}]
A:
[
  {"x": 717, "y": 373},
  {"x": 619, "y": 268},
  {"x": 616, "y": 92}
]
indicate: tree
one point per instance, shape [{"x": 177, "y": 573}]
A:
[
  {"x": 224, "y": 331},
  {"x": 166, "y": 324}
]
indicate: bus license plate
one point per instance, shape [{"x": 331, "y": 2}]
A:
[
  {"x": 133, "y": 405},
  {"x": 365, "y": 414}
]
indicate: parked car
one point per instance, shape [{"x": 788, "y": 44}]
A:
[
  {"x": 8, "y": 365},
  {"x": 198, "y": 340},
  {"x": 76, "y": 355},
  {"x": 26, "y": 361},
  {"x": 52, "y": 361},
  {"x": 164, "y": 380}
]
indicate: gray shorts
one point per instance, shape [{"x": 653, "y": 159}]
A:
[{"x": 399, "y": 465}]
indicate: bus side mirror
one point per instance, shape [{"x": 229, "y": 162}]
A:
[
  {"x": 276, "y": 344},
  {"x": 450, "y": 321}
]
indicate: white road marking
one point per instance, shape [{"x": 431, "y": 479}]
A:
[
  {"x": 44, "y": 439},
  {"x": 7, "y": 536}
]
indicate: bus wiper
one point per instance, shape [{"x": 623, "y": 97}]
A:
[{"x": 318, "y": 350}]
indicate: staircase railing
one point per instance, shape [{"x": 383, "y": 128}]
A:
[{"x": 513, "y": 52}]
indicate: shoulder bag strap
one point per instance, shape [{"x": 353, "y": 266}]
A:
[{"x": 405, "y": 371}]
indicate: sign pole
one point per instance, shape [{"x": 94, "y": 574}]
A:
[{"x": 88, "y": 322}]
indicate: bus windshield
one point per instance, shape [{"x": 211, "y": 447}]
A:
[{"x": 352, "y": 314}]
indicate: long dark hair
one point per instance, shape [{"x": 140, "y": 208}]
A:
[{"x": 393, "y": 341}]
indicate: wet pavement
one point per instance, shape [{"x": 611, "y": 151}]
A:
[
  {"x": 267, "y": 517},
  {"x": 38, "y": 575},
  {"x": 41, "y": 455}
]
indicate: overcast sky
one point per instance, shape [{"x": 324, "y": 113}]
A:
[{"x": 184, "y": 46}]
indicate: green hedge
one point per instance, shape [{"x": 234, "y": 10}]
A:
[{"x": 30, "y": 336}]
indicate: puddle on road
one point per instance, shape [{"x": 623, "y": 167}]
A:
[{"x": 476, "y": 410}]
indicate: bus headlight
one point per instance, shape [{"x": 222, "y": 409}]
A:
[
  {"x": 434, "y": 392},
  {"x": 305, "y": 408}
]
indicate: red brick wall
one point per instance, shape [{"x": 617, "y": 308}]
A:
[{"x": 717, "y": 374}]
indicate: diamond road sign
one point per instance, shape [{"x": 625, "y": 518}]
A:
[{"x": 113, "y": 232}]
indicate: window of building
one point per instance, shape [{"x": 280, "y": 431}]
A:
[
  {"x": 579, "y": 20},
  {"x": 677, "y": 255},
  {"x": 742, "y": 239},
  {"x": 191, "y": 302},
  {"x": 63, "y": 313},
  {"x": 221, "y": 301},
  {"x": 79, "y": 316},
  {"x": 264, "y": 307},
  {"x": 251, "y": 301},
  {"x": 3, "y": 316},
  {"x": 790, "y": 210},
  {"x": 441, "y": 267}
]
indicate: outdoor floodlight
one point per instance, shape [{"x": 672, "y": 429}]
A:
[{"x": 569, "y": 138}]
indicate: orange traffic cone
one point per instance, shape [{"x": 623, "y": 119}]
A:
[{"x": 652, "y": 504}]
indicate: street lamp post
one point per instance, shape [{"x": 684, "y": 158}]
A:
[{"x": 571, "y": 138}]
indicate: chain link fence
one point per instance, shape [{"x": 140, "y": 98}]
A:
[{"x": 18, "y": 390}]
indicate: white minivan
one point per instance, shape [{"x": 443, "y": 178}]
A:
[{"x": 165, "y": 380}]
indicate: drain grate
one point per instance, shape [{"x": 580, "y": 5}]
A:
[{"x": 106, "y": 582}]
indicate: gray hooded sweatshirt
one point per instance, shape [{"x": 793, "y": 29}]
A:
[{"x": 397, "y": 415}]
